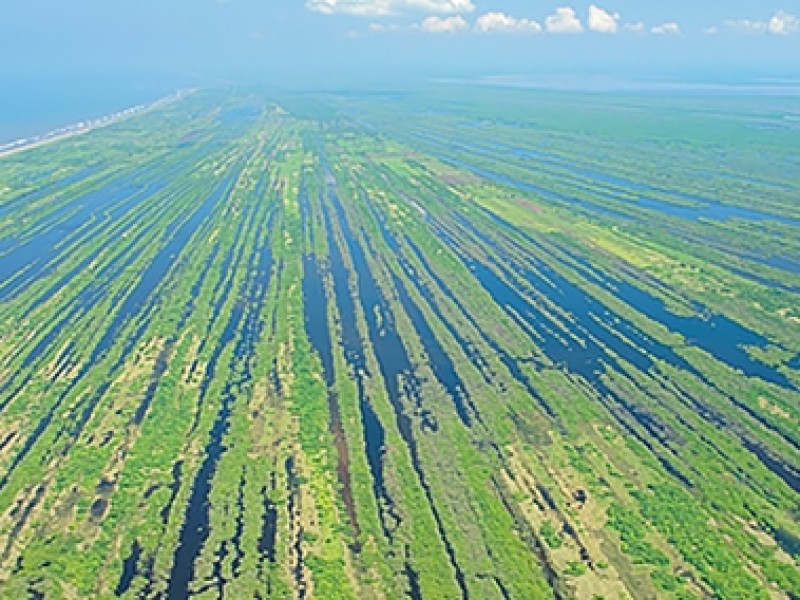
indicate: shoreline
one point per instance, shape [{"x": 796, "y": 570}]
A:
[{"x": 86, "y": 126}]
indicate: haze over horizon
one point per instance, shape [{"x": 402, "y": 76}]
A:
[{"x": 323, "y": 42}]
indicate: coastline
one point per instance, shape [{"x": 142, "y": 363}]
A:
[{"x": 86, "y": 126}]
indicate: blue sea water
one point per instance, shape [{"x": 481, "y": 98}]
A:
[{"x": 31, "y": 106}]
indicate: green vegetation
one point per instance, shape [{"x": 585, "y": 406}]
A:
[{"x": 334, "y": 347}]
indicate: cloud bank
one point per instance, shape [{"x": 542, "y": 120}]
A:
[
  {"x": 446, "y": 16},
  {"x": 443, "y": 25},
  {"x": 389, "y": 7},
  {"x": 746, "y": 26},
  {"x": 564, "y": 20},
  {"x": 503, "y": 23},
  {"x": 602, "y": 21},
  {"x": 669, "y": 28},
  {"x": 638, "y": 27},
  {"x": 781, "y": 23}
]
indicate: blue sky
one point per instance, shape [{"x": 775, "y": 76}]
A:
[{"x": 331, "y": 39}]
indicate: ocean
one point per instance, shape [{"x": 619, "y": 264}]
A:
[{"x": 34, "y": 106}]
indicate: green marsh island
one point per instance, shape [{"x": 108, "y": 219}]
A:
[{"x": 439, "y": 344}]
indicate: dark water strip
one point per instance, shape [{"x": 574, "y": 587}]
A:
[
  {"x": 81, "y": 303},
  {"x": 393, "y": 362},
  {"x": 441, "y": 364},
  {"x": 576, "y": 302},
  {"x": 508, "y": 361},
  {"x": 702, "y": 208},
  {"x": 129, "y": 566},
  {"x": 160, "y": 367},
  {"x": 142, "y": 295},
  {"x": 175, "y": 486},
  {"x": 731, "y": 330},
  {"x": 161, "y": 264},
  {"x": 28, "y": 261},
  {"x": 293, "y": 511},
  {"x": 589, "y": 359},
  {"x": 538, "y": 191},
  {"x": 718, "y": 335},
  {"x": 373, "y": 432},
  {"x": 236, "y": 540},
  {"x": 269, "y": 528},
  {"x": 77, "y": 220},
  {"x": 53, "y": 186},
  {"x": 113, "y": 265},
  {"x": 245, "y": 321},
  {"x": 133, "y": 303},
  {"x": 315, "y": 310},
  {"x": 788, "y": 472},
  {"x": 439, "y": 361}
]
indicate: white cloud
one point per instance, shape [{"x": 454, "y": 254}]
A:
[
  {"x": 443, "y": 24},
  {"x": 638, "y": 28},
  {"x": 352, "y": 7},
  {"x": 388, "y": 7},
  {"x": 497, "y": 21},
  {"x": 602, "y": 21},
  {"x": 711, "y": 31},
  {"x": 669, "y": 28},
  {"x": 564, "y": 20},
  {"x": 746, "y": 26},
  {"x": 783, "y": 23}
]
